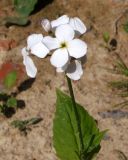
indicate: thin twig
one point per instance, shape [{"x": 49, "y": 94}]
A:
[{"x": 117, "y": 21}]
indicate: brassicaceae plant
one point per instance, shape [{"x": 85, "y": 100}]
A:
[{"x": 75, "y": 133}]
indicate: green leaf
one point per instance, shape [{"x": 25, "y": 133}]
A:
[
  {"x": 106, "y": 37},
  {"x": 10, "y": 79},
  {"x": 11, "y": 102},
  {"x": 122, "y": 68},
  {"x": 96, "y": 140},
  {"x": 126, "y": 27},
  {"x": 1, "y": 108},
  {"x": 91, "y": 155},
  {"x": 21, "y": 21},
  {"x": 24, "y": 7},
  {"x": 21, "y": 125},
  {"x": 65, "y": 134}
]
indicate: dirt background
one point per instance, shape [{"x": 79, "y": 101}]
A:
[{"x": 91, "y": 91}]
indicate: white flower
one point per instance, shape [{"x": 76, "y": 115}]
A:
[
  {"x": 77, "y": 25},
  {"x": 69, "y": 51},
  {"x": 35, "y": 45},
  {"x": 74, "y": 70},
  {"x": 66, "y": 47},
  {"x": 46, "y": 24},
  {"x": 28, "y": 62}
]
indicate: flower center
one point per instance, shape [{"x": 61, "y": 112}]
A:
[{"x": 63, "y": 45}]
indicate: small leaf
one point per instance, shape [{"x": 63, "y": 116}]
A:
[
  {"x": 10, "y": 79},
  {"x": 22, "y": 125},
  {"x": 34, "y": 120},
  {"x": 126, "y": 27},
  {"x": 106, "y": 37},
  {"x": 19, "y": 124},
  {"x": 11, "y": 102},
  {"x": 24, "y": 7},
  {"x": 65, "y": 133},
  {"x": 1, "y": 108}
]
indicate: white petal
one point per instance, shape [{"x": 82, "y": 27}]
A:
[
  {"x": 33, "y": 39},
  {"x": 51, "y": 43},
  {"x": 59, "y": 58},
  {"x": 40, "y": 50},
  {"x": 74, "y": 70},
  {"x": 64, "y": 33},
  {"x": 77, "y": 48},
  {"x": 24, "y": 52},
  {"x": 61, "y": 20},
  {"x": 30, "y": 67},
  {"x": 46, "y": 24},
  {"x": 77, "y": 25}
]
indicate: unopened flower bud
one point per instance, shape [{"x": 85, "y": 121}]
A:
[{"x": 46, "y": 25}]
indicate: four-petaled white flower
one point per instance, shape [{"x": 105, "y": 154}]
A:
[
  {"x": 66, "y": 57},
  {"x": 66, "y": 47}
]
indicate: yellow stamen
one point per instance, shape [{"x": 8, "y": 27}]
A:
[{"x": 63, "y": 45}]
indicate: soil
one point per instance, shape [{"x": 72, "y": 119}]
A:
[{"x": 92, "y": 91}]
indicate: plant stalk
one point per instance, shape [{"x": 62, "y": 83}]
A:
[{"x": 76, "y": 114}]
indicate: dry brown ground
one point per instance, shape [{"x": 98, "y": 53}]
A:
[{"x": 91, "y": 91}]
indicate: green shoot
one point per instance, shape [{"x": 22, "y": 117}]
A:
[
  {"x": 122, "y": 85},
  {"x": 24, "y": 125}
]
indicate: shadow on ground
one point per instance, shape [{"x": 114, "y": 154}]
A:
[{"x": 41, "y": 4}]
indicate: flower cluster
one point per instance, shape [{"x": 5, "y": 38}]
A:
[{"x": 68, "y": 51}]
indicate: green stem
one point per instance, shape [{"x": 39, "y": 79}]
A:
[{"x": 76, "y": 114}]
